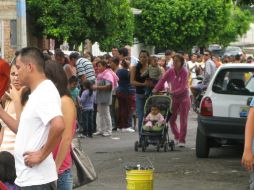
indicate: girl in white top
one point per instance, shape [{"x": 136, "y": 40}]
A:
[{"x": 7, "y": 137}]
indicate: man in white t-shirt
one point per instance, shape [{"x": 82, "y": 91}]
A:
[
  {"x": 169, "y": 58},
  {"x": 133, "y": 59},
  {"x": 40, "y": 126},
  {"x": 192, "y": 65}
]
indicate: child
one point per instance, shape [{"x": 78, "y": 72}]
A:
[
  {"x": 75, "y": 91},
  {"x": 154, "y": 120},
  {"x": 7, "y": 171},
  {"x": 154, "y": 73},
  {"x": 106, "y": 81},
  {"x": 73, "y": 82},
  {"x": 87, "y": 103}
]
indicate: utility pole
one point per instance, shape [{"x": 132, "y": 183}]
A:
[{"x": 21, "y": 24}]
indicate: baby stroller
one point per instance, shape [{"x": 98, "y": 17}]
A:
[{"x": 160, "y": 139}]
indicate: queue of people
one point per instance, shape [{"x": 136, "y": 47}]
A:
[{"x": 45, "y": 98}]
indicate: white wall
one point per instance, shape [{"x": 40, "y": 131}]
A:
[
  {"x": 96, "y": 50},
  {"x": 135, "y": 49},
  {"x": 246, "y": 39}
]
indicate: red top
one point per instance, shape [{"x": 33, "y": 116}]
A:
[
  {"x": 2, "y": 186},
  {"x": 4, "y": 76},
  {"x": 67, "y": 161}
]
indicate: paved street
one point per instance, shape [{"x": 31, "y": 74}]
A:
[{"x": 178, "y": 170}]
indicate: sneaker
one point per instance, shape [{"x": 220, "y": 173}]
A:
[
  {"x": 130, "y": 130},
  {"x": 81, "y": 136},
  {"x": 79, "y": 130},
  {"x": 97, "y": 133},
  {"x": 106, "y": 134},
  {"x": 176, "y": 141},
  {"x": 119, "y": 130},
  {"x": 181, "y": 145}
]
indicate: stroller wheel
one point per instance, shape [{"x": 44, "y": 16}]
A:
[
  {"x": 136, "y": 146},
  {"x": 143, "y": 146},
  {"x": 172, "y": 145},
  {"x": 158, "y": 146},
  {"x": 165, "y": 147}
]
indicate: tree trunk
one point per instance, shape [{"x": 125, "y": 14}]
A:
[{"x": 58, "y": 43}]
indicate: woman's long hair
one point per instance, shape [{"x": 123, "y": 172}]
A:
[
  {"x": 54, "y": 71},
  {"x": 7, "y": 167},
  {"x": 88, "y": 85}
]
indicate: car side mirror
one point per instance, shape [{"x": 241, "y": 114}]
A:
[{"x": 249, "y": 101}]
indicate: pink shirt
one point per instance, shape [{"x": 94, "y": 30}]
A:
[
  {"x": 67, "y": 163},
  {"x": 179, "y": 83}
]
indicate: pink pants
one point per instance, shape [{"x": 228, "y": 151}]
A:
[{"x": 181, "y": 106}]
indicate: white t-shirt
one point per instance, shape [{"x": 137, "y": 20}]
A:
[
  {"x": 192, "y": 66},
  {"x": 170, "y": 63},
  {"x": 134, "y": 61},
  {"x": 43, "y": 104}
]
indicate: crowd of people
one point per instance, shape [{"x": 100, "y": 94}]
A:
[{"x": 45, "y": 97}]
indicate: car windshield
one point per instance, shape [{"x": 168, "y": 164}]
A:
[
  {"x": 235, "y": 82},
  {"x": 228, "y": 49}
]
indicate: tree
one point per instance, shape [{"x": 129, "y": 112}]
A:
[
  {"x": 111, "y": 22},
  {"x": 182, "y": 24},
  {"x": 107, "y": 22}
]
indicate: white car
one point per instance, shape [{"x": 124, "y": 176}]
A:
[{"x": 224, "y": 107}]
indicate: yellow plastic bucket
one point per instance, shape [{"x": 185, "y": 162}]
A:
[{"x": 139, "y": 179}]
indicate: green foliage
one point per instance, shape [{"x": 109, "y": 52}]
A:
[
  {"x": 107, "y": 22},
  {"x": 183, "y": 23},
  {"x": 111, "y": 22}
]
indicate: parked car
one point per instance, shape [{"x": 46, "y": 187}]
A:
[
  {"x": 224, "y": 108},
  {"x": 232, "y": 51},
  {"x": 158, "y": 55},
  {"x": 216, "y": 49}
]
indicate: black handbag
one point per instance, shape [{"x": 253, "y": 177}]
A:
[{"x": 82, "y": 168}]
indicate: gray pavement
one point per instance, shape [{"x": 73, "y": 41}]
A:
[{"x": 177, "y": 170}]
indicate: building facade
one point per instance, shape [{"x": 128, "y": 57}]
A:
[
  {"x": 13, "y": 34},
  {"x": 8, "y": 29}
]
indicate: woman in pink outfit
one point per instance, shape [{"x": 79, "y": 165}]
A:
[{"x": 177, "y": 77}]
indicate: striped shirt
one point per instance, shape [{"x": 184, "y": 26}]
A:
[
  {"x": 85, "y": 67},
  {"x": 8, "y": 137}
]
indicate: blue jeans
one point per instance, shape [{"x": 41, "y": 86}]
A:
[
  {"x": 65, "y": 181},
  {"x": 140, "y": 103},
  {"x": 87, "y": 116}
]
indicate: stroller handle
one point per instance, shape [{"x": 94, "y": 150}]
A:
[{"x": 162, "y": 93}]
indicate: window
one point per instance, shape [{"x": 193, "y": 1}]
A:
[
  {"x": 13, "y": 26},
  {"x": 235, "y": 81}
]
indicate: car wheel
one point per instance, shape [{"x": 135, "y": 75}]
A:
[{"x": 202, "y": 145}]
